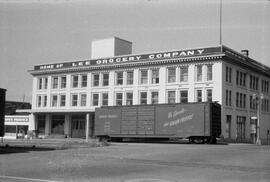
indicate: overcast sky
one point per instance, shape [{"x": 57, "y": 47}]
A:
[{"x": 36, "y": 32}]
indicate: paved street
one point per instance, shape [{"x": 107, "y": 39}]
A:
[{"x": 133, "y": 162}]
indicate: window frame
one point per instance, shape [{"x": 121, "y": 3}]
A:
[
  {"x": 170, "y": 98},
  {"x": 154, "y": 76},
  {"x": 154, "y": 100},
  {"x": 74, "y": 102},
  {"x": 95, "y": 101},
  {"x": 144, "y": 77},
  {"x": 105, "y": 81},
  {"x": 129, "y": 101},
  {"x": 75, "y": 84},
  {"x": 143, "y": 101},
  {"x": 171, "y": 78},
  {"x": 183, "y": 75},
  {"x": 119, "y": 100},
  {"x": 183, "y": 99},
  {"x": 105, "y": 99},
  {"x": 130, "y": 80},
  {"x": 84, "y": 82},
  {"x": 61, "y": 100}
]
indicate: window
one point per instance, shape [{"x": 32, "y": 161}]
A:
[
  {"x": 46, "y": 83},
  {"x": 95, "y": 99},
  {"x": 253, "y": 102},
  {"x": 171, "y": 97},
  {"x": 62, "y": 100},
  {"x": 228, "y": 98},
  {"x": 105, "y": 79},
  {"x": 240, "y": 100},
  {"x": 83, "y": 99},
  {"x": 237, "y": 77},
  {"x": 228, "y": 74},
  {"x": 199, "y": 73},
  {"x": 144, "y": 76},
  {"x": 209, "y": 72},
  {"x": 244, "y": 100},
  {"x": 39, "y": 101},
  {"x": 184, "y": 74},
  {"x": 228, "y": 125},
  {"x": 40, "y": 83},
  {"x": 55, "y": 82},
  {"x": 154, "y": 98},
  {"x": 244, "y": 79},
  {"x": 171, "y": 75},
  {"x": 75, "y": 81},
  {"x": 119, "y": 78},
  {"x": 209, "y": 95},
  {"x": 119, "y": 99},
  {"x": 253, "y": 82},
  {"x": 265, "y": 105},
  {"x": 129, "y": 77},
  {"x": 63, "y": 82},
  {"x": 265, "y": 86},
  {"x": 183, "y": 96},
  {"x": 143, "y": 97},
  {"x": 84, "y": 81},
  {"x": 96, "y": 80},
  {"x": 105, "y": 99},
  {"x": 45, "y": 101},
  {"x": 74, "y": 100},
  {"x": 129, "y": 100},
  {"x": 240, "y": 78},
  {"x": 155, "y": 76},
  {"x": 199, "y": 95},
  {"x": 54, "y": 100}
]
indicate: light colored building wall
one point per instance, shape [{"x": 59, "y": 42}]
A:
[{"x": 218, "y": 85}]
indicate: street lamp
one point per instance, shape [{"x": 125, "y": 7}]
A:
[{"x": 258, "y": 140}]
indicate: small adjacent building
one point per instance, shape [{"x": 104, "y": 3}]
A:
[
  {"x": 2, "y": 111},
  {"x": 16, "y": 126},
  {"x": 65, "y": 94}
]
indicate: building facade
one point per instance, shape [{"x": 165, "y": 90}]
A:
[
  {"x": 16, "y": 126},
  {"x": 66, "y": 94}
]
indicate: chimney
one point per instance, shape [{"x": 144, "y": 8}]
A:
[{"x": 245, "y": 52}]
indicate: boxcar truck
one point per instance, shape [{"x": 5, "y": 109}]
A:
[{"x": 197, "y": 122}]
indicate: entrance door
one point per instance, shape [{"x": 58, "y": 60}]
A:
[
  {"x": 228, "y": 125},
  {"x": 241, "y": 128},
  {"x": 58, "y": 122},
  {"x": 78, "y": 126}
]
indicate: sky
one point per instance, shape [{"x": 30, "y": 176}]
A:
[{"x": 36, "y": 32}]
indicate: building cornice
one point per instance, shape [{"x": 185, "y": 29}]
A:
[
  {"x": 153, "y": 59},
  {"x": 155, "y": 62}
]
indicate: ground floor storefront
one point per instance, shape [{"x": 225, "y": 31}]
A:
[
  {"x": 64, "y": 125},
  {"x": 244, "y": 127},
  {"x": 16, "y": 126}
]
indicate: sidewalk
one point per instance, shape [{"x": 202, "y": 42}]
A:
[{"x": 56, "y": 144}]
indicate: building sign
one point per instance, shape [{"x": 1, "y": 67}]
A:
[
  {"x": 132, "y": 58},
  {"x": 16, "y": 119}
]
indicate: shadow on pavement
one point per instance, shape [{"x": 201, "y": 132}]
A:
[{"x": 21, "y": 149}]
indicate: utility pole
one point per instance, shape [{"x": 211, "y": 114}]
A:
[
  {"x": 258, "y": 140},
  {"x": 220, "y": 22}
]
